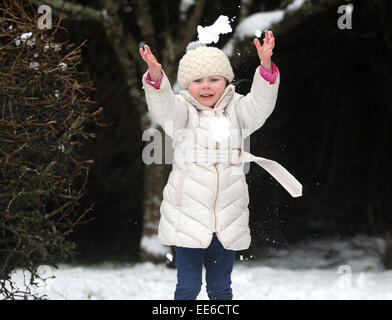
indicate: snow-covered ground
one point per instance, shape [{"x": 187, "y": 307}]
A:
[{"x": 323, "y": 269}]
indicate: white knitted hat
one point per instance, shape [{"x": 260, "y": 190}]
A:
[{"x": 201, "y": 61}]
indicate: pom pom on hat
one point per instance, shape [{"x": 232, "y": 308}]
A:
[
  {"x": 194, "y": 44},
  {"x": 201, "y": 61}
]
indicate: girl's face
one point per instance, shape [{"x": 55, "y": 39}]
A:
[{"x": 207, "y": 91}]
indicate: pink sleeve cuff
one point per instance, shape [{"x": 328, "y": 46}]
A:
[
  {"x": 269, "y": 76},
  {"x": 155, "y": 84}
]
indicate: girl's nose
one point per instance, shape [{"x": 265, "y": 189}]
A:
[{"x": 205, "y": 83}]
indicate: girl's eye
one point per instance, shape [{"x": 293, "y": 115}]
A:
[
  {"x": 214, "y": 79},
  {"x": 197, "y": 80}
]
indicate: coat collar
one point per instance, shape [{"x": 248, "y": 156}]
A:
[{"x": 220, "y": 104}]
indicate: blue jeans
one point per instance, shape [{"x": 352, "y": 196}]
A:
[{"x": 218, "y": 263}]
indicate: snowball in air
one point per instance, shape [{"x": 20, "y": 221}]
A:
[
  {"x": 219, "y": 128},
  {"x": 211, "y": 33},
  {"x": 169, "y": 257}
]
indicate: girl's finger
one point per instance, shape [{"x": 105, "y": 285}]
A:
[
  {"x": 141, "y": 51},
  {"x": 272, "y": 41},
  {"x": 266, "y": 36},
  {"x": 270, "y": 35},
  {"x": 270, "y": 44},
  {"x": 152, "y": 59},
  {"x": 147, "y": 48},
  {"x": 257, "y": 43},
  {"x": 259, "y": 47}
]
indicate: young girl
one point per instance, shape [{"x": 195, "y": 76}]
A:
[{"x": 204, "y": 212}]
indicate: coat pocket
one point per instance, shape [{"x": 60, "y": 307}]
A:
[
  {"x": 179, "y": 188},
  {"x": 245, "y": 197}
]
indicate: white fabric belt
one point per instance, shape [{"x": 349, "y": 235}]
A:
[
  {"x": 238, "y": 156},
  {"x": 206, "y": 156}
]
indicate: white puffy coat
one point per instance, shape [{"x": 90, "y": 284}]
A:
[{"x": 202, "y": 198}]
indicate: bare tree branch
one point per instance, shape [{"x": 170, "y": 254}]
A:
[
  {"x": 125, "y": 46},
  {"x": 145, "y": 21},
  {"x": 72, "y": 9},
  {"x": 244, "y": 9},
  {"x": 122, "y": 40},
  {"x": 44, "y": 171},
  {"x": 189, "y": 31}
]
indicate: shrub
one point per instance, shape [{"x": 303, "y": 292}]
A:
[{"x": 46, "y": 117}]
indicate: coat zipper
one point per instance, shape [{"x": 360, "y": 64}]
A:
[
  {"x": 217, "y": 182},
  {"x": 216, "y": 195}
]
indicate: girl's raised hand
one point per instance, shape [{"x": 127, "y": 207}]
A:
[
  {"x": 154, "y": 67},
  {"x": 265, "y": 51}
]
